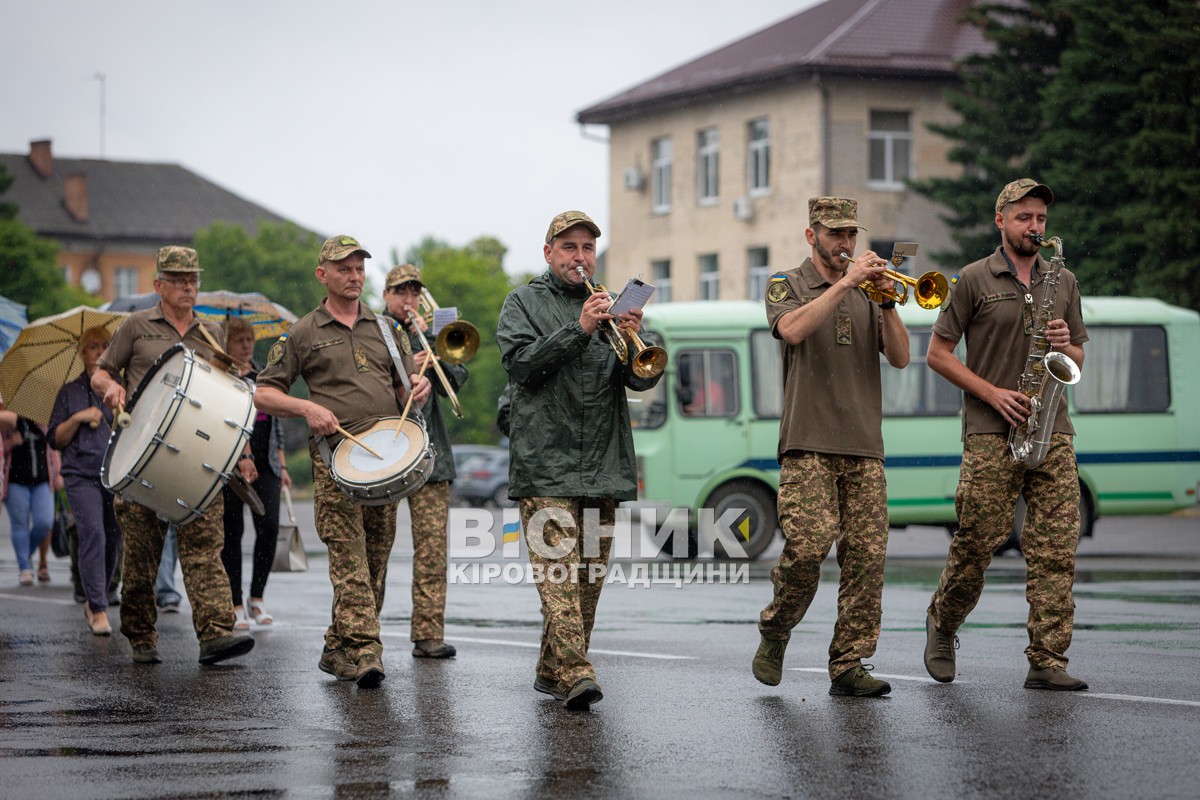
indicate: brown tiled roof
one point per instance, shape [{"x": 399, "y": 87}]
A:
[
  {"x": 126, "y": 201},
  {"x": 867, "y": 38}
]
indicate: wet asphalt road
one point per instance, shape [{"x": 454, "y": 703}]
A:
[{"x": 682, "y": 715}]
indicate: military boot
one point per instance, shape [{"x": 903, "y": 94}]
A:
[
  {"x": 370, "y": 671},
  {"x": 337, "y": 664},
  {"x": 857, "y": 682},
  {"x": 231, "y": 645},
  {"x": 146, "y": 654},
  {"x": 768, "y": 661},
  {"x": 585, "y": 692},
  {"x": 939, "y": 652},
  {"x": 550, "y": 687},
  {"x": 433, "y": 648},
  {"x": 1053, "y": 678}
]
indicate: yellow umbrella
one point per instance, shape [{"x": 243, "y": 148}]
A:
[{"x": 45, "y": 357}]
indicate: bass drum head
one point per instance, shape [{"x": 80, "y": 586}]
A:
[
  {"x": 398, "y": 453},
  {"x": 148, "y": 412}
]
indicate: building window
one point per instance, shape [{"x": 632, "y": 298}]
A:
[
  {"x": 660, "y": 177},
  {"x": 708, "y": 151},
  {"x": 758, "y": 157},
  {"x": 890, "y": 145},
  {"x": 710, "y": 279},
  {"x": 125, "y": 281},
  {"x": 661, "y": 270},
  {"x": 758, "y": 262}
]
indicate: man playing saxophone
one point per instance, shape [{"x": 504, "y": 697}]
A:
[{"x": 997, "y": 304}]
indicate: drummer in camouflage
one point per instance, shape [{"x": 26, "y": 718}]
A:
[
  {"x": 340, "y": 350},
  {"x": 137, "y": 344}
]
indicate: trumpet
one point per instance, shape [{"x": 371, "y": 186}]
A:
[
  {"x": 611, "y": 332},
  {"x": 433, "y": 360},
  {"x": 457, "y": 342},
  {"x": 931, "y": 289},
  {"x": 649, "y": 361}
]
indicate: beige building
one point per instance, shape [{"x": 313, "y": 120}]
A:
[{"x": 712, "y": 163}]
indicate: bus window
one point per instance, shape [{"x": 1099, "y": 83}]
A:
[
  {"x": 918, "y": 391},
  {"x": 707, "y": 386},
  {"x": 1126, "y": 371},
  {"x": 766, "y": 372}
]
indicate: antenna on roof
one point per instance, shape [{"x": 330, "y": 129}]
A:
[{"x": 99, "y": 76}]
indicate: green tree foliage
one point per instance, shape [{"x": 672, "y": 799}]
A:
[
  {"x": 280, "y": 261},
  {"x": 29, "y": 272},
  {"x": 1100, "y": 99},
  {"x": 473, "y": 280}
]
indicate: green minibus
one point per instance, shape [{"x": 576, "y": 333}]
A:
[{"x": 706, "y": 436}]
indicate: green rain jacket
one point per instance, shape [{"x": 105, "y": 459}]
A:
[{"x": 569, "y": 417}]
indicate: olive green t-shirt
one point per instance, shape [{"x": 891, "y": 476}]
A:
[
  {"x": 994, "y": 311},
  {"x": 832, "y": 401},
  {"x": 348, "y": 370},
  {"x": 145, "y": 335}
]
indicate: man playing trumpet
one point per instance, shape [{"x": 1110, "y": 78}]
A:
[
  {"x": 831, "y": 483},
  {"x": 429, "y": 505}
]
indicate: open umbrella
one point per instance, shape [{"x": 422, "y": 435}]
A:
[
  {"x": 266, "y": 318},
  {"x": 45, "y": 357}
]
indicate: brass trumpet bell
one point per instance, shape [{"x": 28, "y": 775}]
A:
[
  {"x": 649, "y": 361},
  {"x": 457, "y": 343}
]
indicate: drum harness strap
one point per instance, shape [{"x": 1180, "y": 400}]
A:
[{"x": 322, "y": 444}]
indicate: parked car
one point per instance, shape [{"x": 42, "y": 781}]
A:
[
  {"x": 462, "y": 454},
  {"x": 483, "y": 479}
]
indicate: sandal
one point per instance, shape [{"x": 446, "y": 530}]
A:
[
  {"x": 44, "y": 574},
  {"x": 240, "y": 622},
  {"x": 261, "y": 615}
]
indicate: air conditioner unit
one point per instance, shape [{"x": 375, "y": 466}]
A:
[
  {"x": 635, "y": 180},
  {"x": 742, "y": 208}
]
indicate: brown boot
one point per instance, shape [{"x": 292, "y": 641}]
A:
[{"x": 1053, "y": 678}]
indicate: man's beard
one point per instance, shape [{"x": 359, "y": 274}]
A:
[
  {"x": 1022, "y": 246},
  {"x": 836, "y": 263}
]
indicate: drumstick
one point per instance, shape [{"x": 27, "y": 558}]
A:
[
  {"x": 218, "y": 351},
  {"x": 357, "y": 441},
  {"x": 408, "y": 404},
  {"x": 123, "y": 418}
]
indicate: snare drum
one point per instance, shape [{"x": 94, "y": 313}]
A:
[
  {"x": 190, "y": 422},
  {"x": 405, "y": 464}
]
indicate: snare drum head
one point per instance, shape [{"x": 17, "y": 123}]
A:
[
  {"x": 148, "y": 411},
  {"x": 397, "y": 453}
]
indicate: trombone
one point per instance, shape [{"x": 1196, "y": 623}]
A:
[
  {"x": 648, "y": 360},
  {"x": 433, "y": 359},
  {"x": 931, "y": 289},
  {"x": 457, "y": 342}
]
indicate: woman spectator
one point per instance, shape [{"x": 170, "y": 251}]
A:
[
  {"x": 31, "y": 477},
  {"x": 266, "y": 447},
  {"x": 80, "y": 426}
]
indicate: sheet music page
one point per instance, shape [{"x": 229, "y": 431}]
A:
[{"x": 634, "y": 295}]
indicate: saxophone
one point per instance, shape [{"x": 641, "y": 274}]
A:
[{"x": 1046, "y": 373}]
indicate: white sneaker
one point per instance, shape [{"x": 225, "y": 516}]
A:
[{"x": 26, "y": 578}]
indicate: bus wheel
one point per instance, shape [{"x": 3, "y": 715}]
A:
[{"x": 759, "y": 505}]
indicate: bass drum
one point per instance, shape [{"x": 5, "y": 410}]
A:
[
  {"x": 405, "y": 462},
  {"x": 189, "y": 424}
]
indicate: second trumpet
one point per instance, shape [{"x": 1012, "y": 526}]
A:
[{"x": 931, "y": 289}]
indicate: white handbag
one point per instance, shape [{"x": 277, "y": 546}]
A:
[{"x": 289, "y": 549}]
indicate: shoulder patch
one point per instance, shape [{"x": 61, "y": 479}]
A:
[
  {"x": 276, "y": 354},
  {"x": 405, "y": 344},
  {"x": 778, "y": 291}
]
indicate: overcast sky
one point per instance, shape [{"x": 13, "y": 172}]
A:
[{"x": 389, "y": 121}]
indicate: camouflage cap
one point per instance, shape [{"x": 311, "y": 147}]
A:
[
  {"x": 174, "y": 258},
  {"x": 569, "y": 219},
  {"x": 404, "y": 273},
  {"x": 338, "y": 247},
  {"x": 833, "y": 212},
  {"x": 1020, "y": 188}
]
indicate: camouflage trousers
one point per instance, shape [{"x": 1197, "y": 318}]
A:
[
  {"x": 359, "y": 540},
  {"x": 826, "y": 500},
  {"x": 568, "y": 591},
  {"x": 204, "y": 576},
  {"x": 430, "y": 510},
  {"x": 988, "y": 485}
]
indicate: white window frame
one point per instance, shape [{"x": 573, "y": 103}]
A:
[
  {"x": 123, "y": 276},
  {"x": 758, "y": 157},
  {"x": 661, "y": 270},
  {"x": 660, "y": 174},
  {"x": 890, "y": 141},
  {"x": 758, "y": 273},
  {"x": 708, "y": 174},
  {"x": 710, "y": 279}
]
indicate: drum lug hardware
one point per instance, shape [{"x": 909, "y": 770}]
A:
[
  {"x": 204, "y": 365},
  {"x": 195, "y": 403},
  {"x": 183, "y": 503},
  {"x": 173, "y": 448},
  {"x": 209, "y": 467},
  {"x": 146, "y": 484}
]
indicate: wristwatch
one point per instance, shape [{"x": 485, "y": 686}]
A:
[{"x": 888, "y": 304}]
